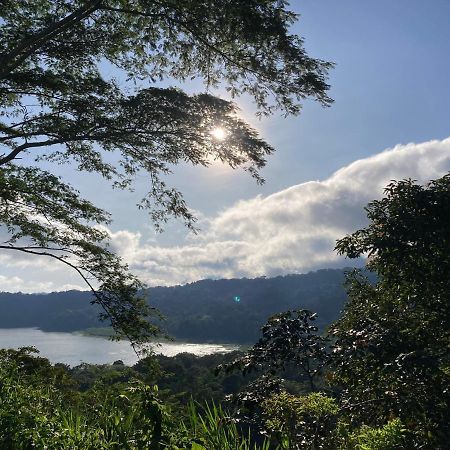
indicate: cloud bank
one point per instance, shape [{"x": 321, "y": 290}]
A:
[{"x": 291, "y": 231}]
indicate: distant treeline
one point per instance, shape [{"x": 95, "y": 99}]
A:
[{"x": 202, "y": 311}]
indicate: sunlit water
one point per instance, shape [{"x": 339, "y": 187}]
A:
[{"x": 74, "y": 349}]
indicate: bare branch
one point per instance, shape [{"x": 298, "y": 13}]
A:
[{"x": 34, "y": 251}]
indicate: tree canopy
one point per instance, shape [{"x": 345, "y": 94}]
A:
[
  {"x": 288, "y": 338},
  {"x": 388, "y": 373},
  {"x": 61, "y": 102},
  {"x": 392, "y": 354}
]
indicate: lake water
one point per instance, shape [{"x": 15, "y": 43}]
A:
[{"x": 74, "y": 349}]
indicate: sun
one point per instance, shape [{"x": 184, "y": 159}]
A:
[{"x": 219, "y": 133}]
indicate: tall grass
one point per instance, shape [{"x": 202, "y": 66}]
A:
[{"x": 216, "y": 430}]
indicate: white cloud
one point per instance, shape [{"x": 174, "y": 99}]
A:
[
  {"x": 18, "y": 284},
  {"x": 291, "y": 231}
]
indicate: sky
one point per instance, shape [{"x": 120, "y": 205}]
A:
[{"x": 390, "y": 120}]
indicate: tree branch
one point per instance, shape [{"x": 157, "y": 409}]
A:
[
  {"x": 33, "y": 251},
  {"x": 21, "y": 148},
  {"x": 185, "y": 24},
  {"x": 95, "y": 293},
  {"x": 21, "y": 52}
]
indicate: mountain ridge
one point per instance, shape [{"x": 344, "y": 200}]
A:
[{"x": 204, "y": 310}]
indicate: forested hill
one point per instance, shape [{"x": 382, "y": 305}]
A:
[{"x": 208, "y": 310}]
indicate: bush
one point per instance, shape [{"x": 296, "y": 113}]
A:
[
  {"x": 389, "y": 437},
  {"x": 305, "y": 422}
]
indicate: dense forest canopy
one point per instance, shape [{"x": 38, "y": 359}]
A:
[{"x": 204, "y": 311}]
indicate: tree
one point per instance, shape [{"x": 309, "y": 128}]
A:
[
  {"x": 288, "y": 338},
  {"x": 392, "y": 356},
  {"x": 61, "y": 105}
]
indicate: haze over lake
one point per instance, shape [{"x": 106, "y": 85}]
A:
[{"x": 74, "y": 349}]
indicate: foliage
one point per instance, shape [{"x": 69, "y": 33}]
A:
[
  {"x": 287, "y": 338},
  {"x": 388, "y": 437},
  {"x": 301, "y": 422},
  {"x": 248, "y": 402},
  {"x": 37, "y": 410},
  {"x": 30, "y": 415},
  {"x": 392, "y": 352},
  {"x": 60, "y": 104},
  {"x": 289, "y": 343},
  {"x": 39, "y": 208},
  {"x": 187, "y": 376},
  {"x": 214, "y": 429}
]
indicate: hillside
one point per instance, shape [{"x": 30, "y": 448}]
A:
[{"x": 206, "y": 310}]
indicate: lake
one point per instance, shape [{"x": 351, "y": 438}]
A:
[{"x": 74, "y": 349}]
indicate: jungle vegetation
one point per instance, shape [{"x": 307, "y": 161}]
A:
[{"x": 377, "y": 380}]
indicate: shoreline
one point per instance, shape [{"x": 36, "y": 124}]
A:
[{"x": 107, "y": 333}]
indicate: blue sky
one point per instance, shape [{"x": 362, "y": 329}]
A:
[{"x": 390, "y": 87}]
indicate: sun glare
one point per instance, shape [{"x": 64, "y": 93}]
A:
[{"x": 219, "y": 133}]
